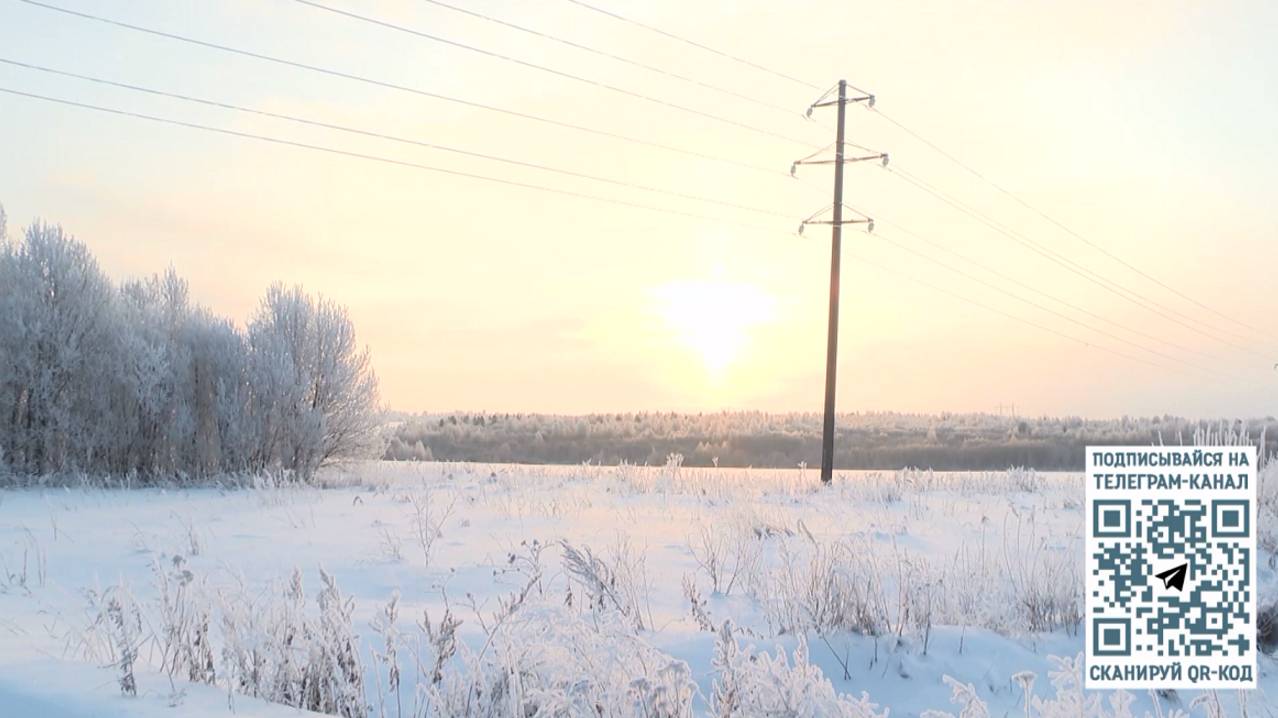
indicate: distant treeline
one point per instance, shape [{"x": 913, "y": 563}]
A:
[{"x": 863, "y": 441}]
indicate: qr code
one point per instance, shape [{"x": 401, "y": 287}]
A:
[
  {"x": 1200, "y": 606},
  {"x": 1171, "y": 584}
]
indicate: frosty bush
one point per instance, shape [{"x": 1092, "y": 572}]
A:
[
  {"x": 546, "y": 659},
  {"x": 750, "y": 684},
  {"x": 314, "y": 392},
  {"x": 823, "y": 587},
  {"x": 1069, "y": 700},
  {"x": 856, "y": 586},
  {"x": 273, "y": 650},
  {"x": 136, "y": 379}
]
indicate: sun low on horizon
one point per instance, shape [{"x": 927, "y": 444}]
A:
[{"x": 715, "y": 319}]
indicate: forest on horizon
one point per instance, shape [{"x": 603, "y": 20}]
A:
[{"x": 879, "y": 440}]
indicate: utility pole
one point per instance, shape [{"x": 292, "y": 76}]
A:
[
  {"x": 832, "y": 331},
  {"x": 836, "y": 223}
]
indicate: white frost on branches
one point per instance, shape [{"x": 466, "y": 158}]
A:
[{"x": 136, "y": 379}]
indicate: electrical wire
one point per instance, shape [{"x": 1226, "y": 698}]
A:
[
  {"x": 693, "y": 43},
  {"x": 612, "y": 56},
  {"x": 412, "y": 90},
  {"x": 381, "y": 159},
  {"x": 1061, "y": 225},
  {"x": 885, "y": 222},
  {"x": 1072, "y": 266},
  {"x": 879, "y": 220},
  {"x": 550, "y": 70},
  {"x": 1041, "y": 307},
  {"x": 524, "y": 185},
  {"x": 393, "y": 138},
  {"x": 1084, "y": 272},
  {"x": 861, "y": 258}
]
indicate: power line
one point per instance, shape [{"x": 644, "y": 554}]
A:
[
  {"x": 429, "y": 145},
  {"x": 1089, "y": 274},
  {"x": 437, "y": 96},
  {"x": 378, "y": 158},
  {"x": 1061, "y": 225},
  {"x": 693, "y": 43},
  {"x": 394, "y": 138},
  {"x": 412, "y": 90},
  {"x": 512, "y": 183},
  {"x": 1069, "y": 264},
  {"x": 1028, "y": 287},
  {"x": 559, "y": 73},
  {"x": 1041, "y": 307},
  {"x": 864, "y": 260},
  {"x": 612, "y": 56}
]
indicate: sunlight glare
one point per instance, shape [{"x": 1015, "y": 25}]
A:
[{"x": 714, "y": 318}]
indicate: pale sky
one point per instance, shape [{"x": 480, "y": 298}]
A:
[{"x": 1150, "y": 128}]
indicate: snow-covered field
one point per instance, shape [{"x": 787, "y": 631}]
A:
[{"x": 461, "y": 589}]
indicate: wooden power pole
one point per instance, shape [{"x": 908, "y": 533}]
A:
[{"x": 836, "y": 223}]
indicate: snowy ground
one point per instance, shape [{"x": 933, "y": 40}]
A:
[{"x": 581, "y": 590}]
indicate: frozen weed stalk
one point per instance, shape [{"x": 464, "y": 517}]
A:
[
  {"x": 115, "y": 634},
  {"x": 428, "y": 519},
  {"x": 750, "y": 684},
  {"x": 27, "y": 572},
  {"x": 384, "y": 625},
  {"x": 724, "y": 558},
  {"x": 619, "y": 585},
  {"x": 185, "y": 637}
]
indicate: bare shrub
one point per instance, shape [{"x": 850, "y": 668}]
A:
[
  {"x": 428, "y": 523},
  {"x": 723, "y": 558}
]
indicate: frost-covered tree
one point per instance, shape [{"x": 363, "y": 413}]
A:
[
  {"x": 55, "y": 308},
  {"x": 138, "y": 379},
  {"x": 314, "y": 387}
]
